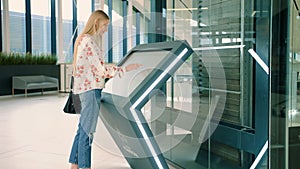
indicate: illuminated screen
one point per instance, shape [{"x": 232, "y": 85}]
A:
[{"x": 126, "y": 84}]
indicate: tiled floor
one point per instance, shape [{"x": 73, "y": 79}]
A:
[{"x": 36, "y": 134}]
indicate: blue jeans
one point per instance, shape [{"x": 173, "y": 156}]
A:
[{"x": 81, "y": 149}]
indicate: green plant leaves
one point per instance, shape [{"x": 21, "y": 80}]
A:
[{"x": 27, "y": 59}]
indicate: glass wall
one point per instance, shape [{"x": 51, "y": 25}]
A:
[
  {"x": 17, "y": 24},
  {"x": 123, "y": 39},
  {"x": 117, "y": 30},
  {"x": 260, "y": 119},
  {"x": 294, "y": 116},
  {"x": 143, "y": 29},
  {"x": 293, "y": 89},
  {"x": 231, "y": 124},
  {"x": 285, "y": 129},
  {"x": 180, "y": 20},
  {"x": 84, "y": 10},
  {"x": 41, "y": 26},
  {"x": 135, "y": 15},
  {"x": 67, "y": 17}
]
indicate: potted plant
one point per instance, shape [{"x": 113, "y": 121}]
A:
[{"x": 17, "y": 64}]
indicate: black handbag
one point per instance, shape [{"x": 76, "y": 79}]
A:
[{"x": 72, "y": 105}]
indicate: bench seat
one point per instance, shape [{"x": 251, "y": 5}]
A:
[{"x": 33, "y": 82}]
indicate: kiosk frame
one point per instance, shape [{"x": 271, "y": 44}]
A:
[{"x": 122, "y": 115}]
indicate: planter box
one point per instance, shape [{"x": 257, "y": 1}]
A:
[{"x": 7, "y": 71}]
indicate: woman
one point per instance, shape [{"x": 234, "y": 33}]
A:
[{"x": 89, "y": 74}]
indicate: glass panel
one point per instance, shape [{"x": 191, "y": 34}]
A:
[
  {"x": 41, "y": 26},
  {"x": 292, "y": 108},
  {"x": 221, "y": 33},
  {"x": 180, "y": 88},
  {"x": 117, "y": 24},
  {"x": 134, "y": 27},
  {"x": 147, "y": 5},
  {"x": 143, "y": 29},
  {"x": 84, "y": 10},
  {"x": 222, "y": 30},
  {"x": 281, "y": 77},
  {"x": 140, "y": 2},
  {"x": 117, "y": 33},
  {"x": 67, "y": 16},
  {"x": 147, "y": 28},
  {"x": 172, "y": 114},
  {"x": 180, "y": 17},
  {"x": 17, "y": 24},
  {"x": 105, "y": 36},
  {"x": 294, "y": 114}
]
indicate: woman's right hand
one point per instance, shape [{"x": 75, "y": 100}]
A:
[{"x": 132, "y": 66}]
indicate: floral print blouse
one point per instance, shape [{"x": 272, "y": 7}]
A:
[{"x": 91, "y": 71}]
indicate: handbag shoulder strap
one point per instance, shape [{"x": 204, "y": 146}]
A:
[{"x": 72, "y": 81}]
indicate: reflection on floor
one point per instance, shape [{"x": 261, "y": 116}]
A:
[{"x": 36, "y": 134}]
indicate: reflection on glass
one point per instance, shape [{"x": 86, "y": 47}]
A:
[
  {"x": 143, "y": 29},
  {"x": 181, "y": 92},
  {"x": 294, "y": 111},
  {"x": 293, "y": 108},
  {"x": 218, "y": 27},
  {"x": 172, "y": 114},
  {"x": 17, "y": 24},
  {"x": 41, "y": 26},
  {"x": 67, "y": 15},
  {"x": 117, "y": 32},
  {"x": 180, "y": 20},
  {"x": 180, "y": 88}
]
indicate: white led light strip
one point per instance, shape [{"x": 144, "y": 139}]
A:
[
  {"x": 135, "y": 115},
  {"x": 259, "y": 60},
  {"x": 260, "y": 155}
]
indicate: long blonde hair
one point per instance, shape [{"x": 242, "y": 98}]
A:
[
  {"x": 96, "y": 17},
  {"x": 91, "y": 27}
]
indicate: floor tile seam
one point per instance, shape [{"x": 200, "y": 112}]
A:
[{"x": 14, "y": 151}]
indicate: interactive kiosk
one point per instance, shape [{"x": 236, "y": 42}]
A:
[{"x": 124, "y": 97}]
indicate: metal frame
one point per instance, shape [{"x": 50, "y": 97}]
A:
[
  {"x": 74, "y": 21},
  {"x": 53, "y": 28},
  {"x": 138, "y": 27},
  {"x": 1, "y": 28},
  {"x": 124, "y": 13},
  {"x": 28, "y": 26},
  {"x": 110, "y": 33},
  {"x": 115, "y": 107}
]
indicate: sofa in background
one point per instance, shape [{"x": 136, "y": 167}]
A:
[{"x": 34, "y": 82}]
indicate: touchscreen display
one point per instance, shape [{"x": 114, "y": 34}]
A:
[{"x": 126, "y": 84}]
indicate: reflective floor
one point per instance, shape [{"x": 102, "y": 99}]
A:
[{"x": 36, "y": 134}]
